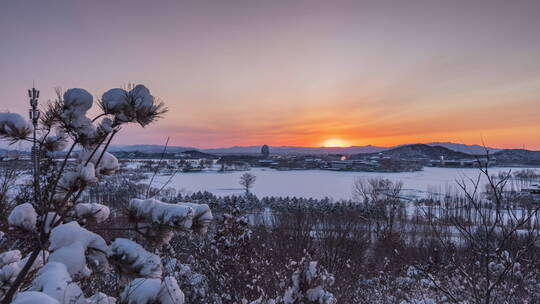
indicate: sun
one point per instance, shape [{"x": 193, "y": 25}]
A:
[{"x": 335, "y": 142}]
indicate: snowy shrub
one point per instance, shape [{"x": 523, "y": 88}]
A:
[
  {"x": 57, "y": 190},
  {"x": 309, "y": 283}
]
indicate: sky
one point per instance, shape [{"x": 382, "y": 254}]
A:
[{"x": 300, "y": 73}]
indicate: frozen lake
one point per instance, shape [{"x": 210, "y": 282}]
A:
[{"x": 317, "y": 183}]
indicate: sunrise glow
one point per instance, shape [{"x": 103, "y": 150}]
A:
[{"x": 335, "y": 142}]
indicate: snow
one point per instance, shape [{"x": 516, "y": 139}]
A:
[
  {"x": 146, "y": 291},
  {"x": 9, "y": 272},
  {"x": 101, "y": 298},
  {"x": 14, "y": 124},
  {"x": 23, "y": 216},
  {"x": 115, "y": 101},
  {"x": 142, "y": 97},
  {"x": 87, "y": 173},
  {"x": 69, "y": 245},
  {"x": 97, "y": 212},
  {"x": 202, "y": 216},
  {"x": 77, "y": 102},
  {"x": 135, "y": 259},
  {"x": 170, "y": 292},
  {"x": 106, "y": 125},
  {"x": 317, "y": 183},
  {"x": 54, "y": 280},
  {"x": 34, "y": 297},
  {"x": 56, "y": 142},
  {"x": 141, "y": 291},
  {"x": 9, "y": 257},
  {"x": 173, "y": 215},
  {"x": 127, "y": 106},
  {"x": 107, "y": 165},
  {"x": 68, "y": 181}
]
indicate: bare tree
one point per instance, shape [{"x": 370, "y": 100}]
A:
[
  {"x": 381, "y": 199},
  {"x": 491, "y": 258},
  {"x": 247, "y": 180}
]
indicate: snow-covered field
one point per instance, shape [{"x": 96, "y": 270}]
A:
[{"x": 317, "y": 183}]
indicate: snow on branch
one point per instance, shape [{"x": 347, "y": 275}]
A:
[
  {"x": 147, "y": 291},
  {"x": 157, "y": 212},
  {"x": 76, "y": 103},
  {"x": 92, "y": 211},
  {"x": 33, "y": 297},
  {"x": 134, "y": 260},
  {"x": 54, "y": 280},
  {"x": 309, "y": 284},
  {"x": 134, "y": 105},
  {"x": 14, "y": 127},
  {"x": 107, "y": 165},
  {"x": 71, "y": 244},
  {"x": 23, "y": 216},
  {"x": 9, "y": 272}
]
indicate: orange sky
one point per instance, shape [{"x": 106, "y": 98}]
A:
[{"x": 291, "y": 73}]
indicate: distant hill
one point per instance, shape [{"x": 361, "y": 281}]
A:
[
  {"x": 469, "y": 149},
  {"x": 433, "y": 150},
  {"x": 199, "y": 154},
  {"x": 296, "y": 150},
  {"x": 149, "y": 148},
  {"x": 422, "y": 151},
  {"x": 518, "y": 156}
]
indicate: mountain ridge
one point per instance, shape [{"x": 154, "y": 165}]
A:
[{"x": 468, "y": 149}]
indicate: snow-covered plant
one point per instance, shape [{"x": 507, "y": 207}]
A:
[
  {"x": 232, "y": 268},
  {"x": 23, "y": 216},
  {"x": 13, "y": 127},
  {"x": 73, "y": 245},
  {"x": 15, "y": 265},
  {"x": 158, "y": 220},
  {"x": 145, "y": 291},
  {"x": 92, "y": 212},
  {"x": 135, "y": 104},
  {"x": 309, "y": 284},
  {"x": 53, "y": 213},
  {"x": 133, "y": 260}
]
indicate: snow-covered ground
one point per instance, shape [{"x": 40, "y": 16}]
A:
[{"x": 318, "y": 183}]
